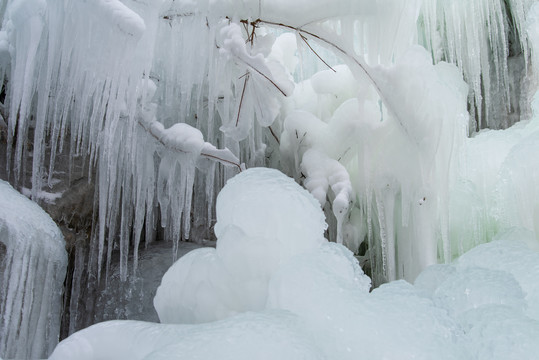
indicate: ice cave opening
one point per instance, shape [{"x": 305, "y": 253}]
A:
[{"x": 325, "y": 179}]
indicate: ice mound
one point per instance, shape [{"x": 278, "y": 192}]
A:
[
  {"x": 264, "y": 335},
  {"x": 264, "y": 219},
  {"x": 492, "y": 293}
]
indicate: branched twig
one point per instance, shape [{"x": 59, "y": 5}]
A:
[
  {"x": 252, "y": 34},
  {"x": 327, "y": 42}
]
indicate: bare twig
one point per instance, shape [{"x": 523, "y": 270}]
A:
[
  {"x": 267, "y": 78},
  {"x": 241, "y": 99},
  {"x": 274, "y": 135},
  {"x": 318, "y": 56},
  {"x": 209, "y": 156},
  {"x": 327, "y": 42}
]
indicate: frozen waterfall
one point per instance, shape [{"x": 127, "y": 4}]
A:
[{"x": 413, "y": 124}]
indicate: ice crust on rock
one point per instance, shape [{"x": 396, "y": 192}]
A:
[
  {"x": 489, "y": 291},
  {"x": 32, "y": 271}
]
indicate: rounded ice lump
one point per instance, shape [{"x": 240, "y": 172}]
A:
[{"x": 264, "y": 219}]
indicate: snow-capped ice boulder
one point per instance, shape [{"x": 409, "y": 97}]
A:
[{"x": 264, "y": 219}]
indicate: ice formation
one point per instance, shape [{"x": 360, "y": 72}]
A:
[
  {"x": 274, "y": 288},
  {"x": 33, "y": 263},
  {"x": 378, "y": 108},
  {"x": 254, "y": 240}
]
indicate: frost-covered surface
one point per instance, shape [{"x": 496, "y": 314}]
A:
[
  {"x": 274, "y": 288},
  {"x": 32, "y": 271}
]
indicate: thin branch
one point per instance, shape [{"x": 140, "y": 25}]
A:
[
  {"x": 267, "y": 78},
  {"x": 221, "y": 160},
  {"x": 274, "y": 135},
  {"x": 318, "y": 56},
  {"x": 258, "y": 71},
  {"x": 328, "y": 42},
  {"x": 241, "y": 99}
]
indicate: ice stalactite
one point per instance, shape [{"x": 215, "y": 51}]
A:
[
  {"x": 478, "y": 36},
  {"x": 33, "y": 266}
]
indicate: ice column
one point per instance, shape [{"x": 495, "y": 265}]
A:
[{"x": 32, "y": 269}]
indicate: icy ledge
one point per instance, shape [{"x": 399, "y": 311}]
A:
[{"x": 32, "y": 269}]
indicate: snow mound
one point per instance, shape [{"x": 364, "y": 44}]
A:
[{"x": 264, "y": 220}]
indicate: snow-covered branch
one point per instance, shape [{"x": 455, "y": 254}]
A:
[
  {"x": 186, "y": 139},
  {"x": 125, "y": 19},
  {"x": 234, "y": 45}
]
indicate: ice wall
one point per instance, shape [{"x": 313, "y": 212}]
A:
[{"x": 33, "y": 267}]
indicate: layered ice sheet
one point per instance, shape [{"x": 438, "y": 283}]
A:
[
  {"x": 274, "y": 288},
  {"x": 33, "y": 263}
]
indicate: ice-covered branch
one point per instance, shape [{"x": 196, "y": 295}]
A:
[
  {"x": 322, "y": 173},
  {"x": 234, "y": 45},
  {"x": 125, "y": 19},
  {"x": 365, "y": 68},
  {"x": 186, "y": 139}
]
